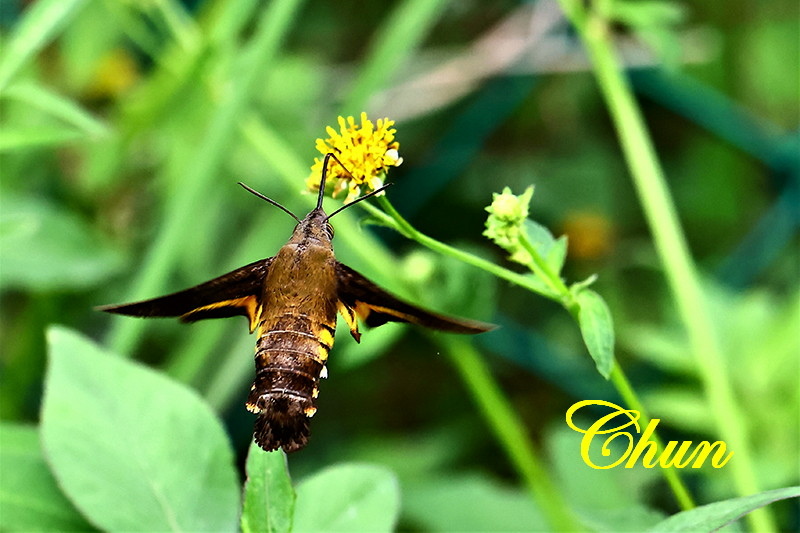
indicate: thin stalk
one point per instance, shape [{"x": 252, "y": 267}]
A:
[
  {"x": 540, "y": 267},
  {"x": 681, "y": 272},
  {"x": 393, "y": 44},
  {"x": 395, "y": 221},
  {"x": 510, "y": 431},
  {"x": 631, "y": 399}
]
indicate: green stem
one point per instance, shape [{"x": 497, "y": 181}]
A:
[
  {"x": 395, "y": 221},
  {"x": 540, "y": 267},
  {"x": 671, "y": 246},
  {"x": 561, "y": 293},
  {"x": 510, "y": 431},
  {"x": 631, "y": 399}
]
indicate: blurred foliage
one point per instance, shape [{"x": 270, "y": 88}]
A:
[{"x": 125, "y": 126}]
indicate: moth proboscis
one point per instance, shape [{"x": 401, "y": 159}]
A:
[{"x": 291, "y": 300}]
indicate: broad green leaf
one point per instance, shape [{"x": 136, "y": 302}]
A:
[
  {"x": 715, "y": 515},
  {"x": 469, "y": 503},
  {"x": 39, "y": 25},
  {"x": 30, "y": 500},
  {"x": 349, "y": 497},
  {"x": 132, "y": 449},
  {"x": 268, "y": 494},
  {"x": 597, "y": 329},
  {"x": 45, "y": 247},
  {"x": 56, "y": 106},
  {"x": 605, "y": 500}
]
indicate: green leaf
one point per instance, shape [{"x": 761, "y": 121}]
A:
[
  {"x": 348, "y": 497},
  {"x": 268, "y": 494},
  {"x": 56, "y": 106},
  {"x": 469, "y": 502},
  {"x": 30, "y": 500},
  {"x": 45, "y": 247},
  {"x": 605, "y": 500},
  {"x": 552, "y": 250},
  {"x": 557, "y": 254},
  {"x": 715, "y": 515},
  {"x": 597, "y": 329},
  {"x": 132, "y": 449},
  {"x": 40, "y": 24},
  {"x": 539, "y": 236}
]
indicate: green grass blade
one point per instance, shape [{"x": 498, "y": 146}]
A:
[
  {"x": 14, "y": 139},
  {"x": 212, "y": 151},
  {"x": 57, "y": 106},
  {"x": 40, "y": 24},
  {"x": 398, "y": 37}
]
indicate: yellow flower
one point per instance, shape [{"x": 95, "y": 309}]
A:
[{"x": 367, "y": 151}]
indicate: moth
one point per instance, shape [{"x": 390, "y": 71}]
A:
[{"x": 291, "y": 300}]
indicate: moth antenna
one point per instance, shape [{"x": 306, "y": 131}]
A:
[
  {"x": 325, "y": 161},
  {"x": 373, "y": 193},
  {"x": 270, "y": 200}
]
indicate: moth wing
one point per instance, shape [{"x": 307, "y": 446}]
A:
[
  {"x": 235, "y": 293},
  {"x": 375, "y": 306}
]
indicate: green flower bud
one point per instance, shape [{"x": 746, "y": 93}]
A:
[{"x": 507, "y": 214}]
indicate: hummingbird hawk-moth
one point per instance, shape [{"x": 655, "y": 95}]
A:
[{"x": 291, "y": 300}]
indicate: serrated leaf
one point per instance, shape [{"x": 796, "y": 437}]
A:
[
  {"x": 597, "y": 328},
  {"x": 45, "y": 247},
  {"x": 348, "y": 497},
  {"x": 30, "y": 500},
  {"x": 132, "y": 449},
  {"x": 268, "y": 494},
  {"x": 715, "y": 515}
]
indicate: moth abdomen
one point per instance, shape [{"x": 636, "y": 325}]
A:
[{"x": 290, "y": 360}]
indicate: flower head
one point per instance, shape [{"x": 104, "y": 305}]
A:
[
  {"x": 506, "y": 220},
  {"x": 366, "y": 151}
]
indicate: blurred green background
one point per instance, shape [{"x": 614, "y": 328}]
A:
[{"x": 126, "y": 125}]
